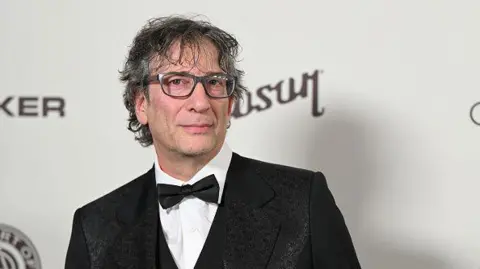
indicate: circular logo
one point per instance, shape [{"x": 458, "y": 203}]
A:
[
  {"x": 475, "y": 113},
  {"x": 16, "y": 250}
]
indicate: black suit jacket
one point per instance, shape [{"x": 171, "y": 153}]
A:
[{"x": 275, "y": 217}]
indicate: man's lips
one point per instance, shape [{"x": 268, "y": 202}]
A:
[
  {"x": 197, "y": 128},
  {"x": 197, "y": 125}
]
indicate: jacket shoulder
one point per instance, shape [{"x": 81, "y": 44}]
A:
[
  {"x": 285, "y": 180},
  {"x": 114, "y": 198},
  {"x": 271, "y": 169}
]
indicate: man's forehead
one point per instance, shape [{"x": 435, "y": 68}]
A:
[{"x": 202, "y": 55}]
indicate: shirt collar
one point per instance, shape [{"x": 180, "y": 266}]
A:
[{"x": 217, "y": 166}]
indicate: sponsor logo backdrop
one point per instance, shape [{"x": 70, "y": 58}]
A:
[{"x": 380, "y": 96}]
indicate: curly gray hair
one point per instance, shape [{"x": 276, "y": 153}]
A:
[{"x": 154, "y": 41}]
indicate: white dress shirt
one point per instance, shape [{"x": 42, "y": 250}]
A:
[{"x": 186, "y": 225}]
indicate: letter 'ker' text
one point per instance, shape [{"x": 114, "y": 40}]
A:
[
  {"x": 283, "y": 94},
  {"x": 32, "y": 106}
]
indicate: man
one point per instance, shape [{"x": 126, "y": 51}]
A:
[{"x": 201, "y": 205}]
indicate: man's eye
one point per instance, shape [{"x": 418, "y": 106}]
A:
[{"x": 176, "y": 81}]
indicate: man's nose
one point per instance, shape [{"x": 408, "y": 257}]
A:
[{"x": 199, "y": 100}]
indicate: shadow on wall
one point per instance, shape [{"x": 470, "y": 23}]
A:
[{"x": 344, "y": 149}]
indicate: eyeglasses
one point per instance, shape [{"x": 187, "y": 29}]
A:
[{"x": 181, "y": 84}]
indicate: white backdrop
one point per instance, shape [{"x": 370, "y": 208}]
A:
[{"x": 396, "y": 141}]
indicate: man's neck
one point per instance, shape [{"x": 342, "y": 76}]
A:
[{"x": 183, "y": 167}]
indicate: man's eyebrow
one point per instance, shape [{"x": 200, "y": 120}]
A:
[
  {"x": 211, "y": 73},
  {"x": 215, "y": 73}
]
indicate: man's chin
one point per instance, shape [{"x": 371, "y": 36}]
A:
[{"x": 198, "y": 149}]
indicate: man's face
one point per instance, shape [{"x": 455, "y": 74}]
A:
[{"x": 191, "y": 126}]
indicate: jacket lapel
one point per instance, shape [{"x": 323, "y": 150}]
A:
[
  {"x": 136, "y": 244},
  {"x": 211, "y": 254},
  {"x": 251, "y": 226}
]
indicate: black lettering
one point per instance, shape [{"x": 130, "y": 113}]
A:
[
  {"x": 53, "y": 104},
  {"x": 315, "y": 102},
  {"x": 303, "y": 88},
  {"x": 292, "y": 92},
  {"x": 3, "y": 106},
  {"x": 263, "y": 97},
  {"x": 472, "y": 112},
  {"x": 236, "y": 111},
  {"x": 278, "y": 88},
  {"x": 23, "y": 106}
]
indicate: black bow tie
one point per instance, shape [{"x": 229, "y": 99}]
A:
[{"x": 206, "y": 189}]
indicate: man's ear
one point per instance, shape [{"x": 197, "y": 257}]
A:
[
  {"x": 231, "y": 104},
  {"x": 141, "y": 104}
]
